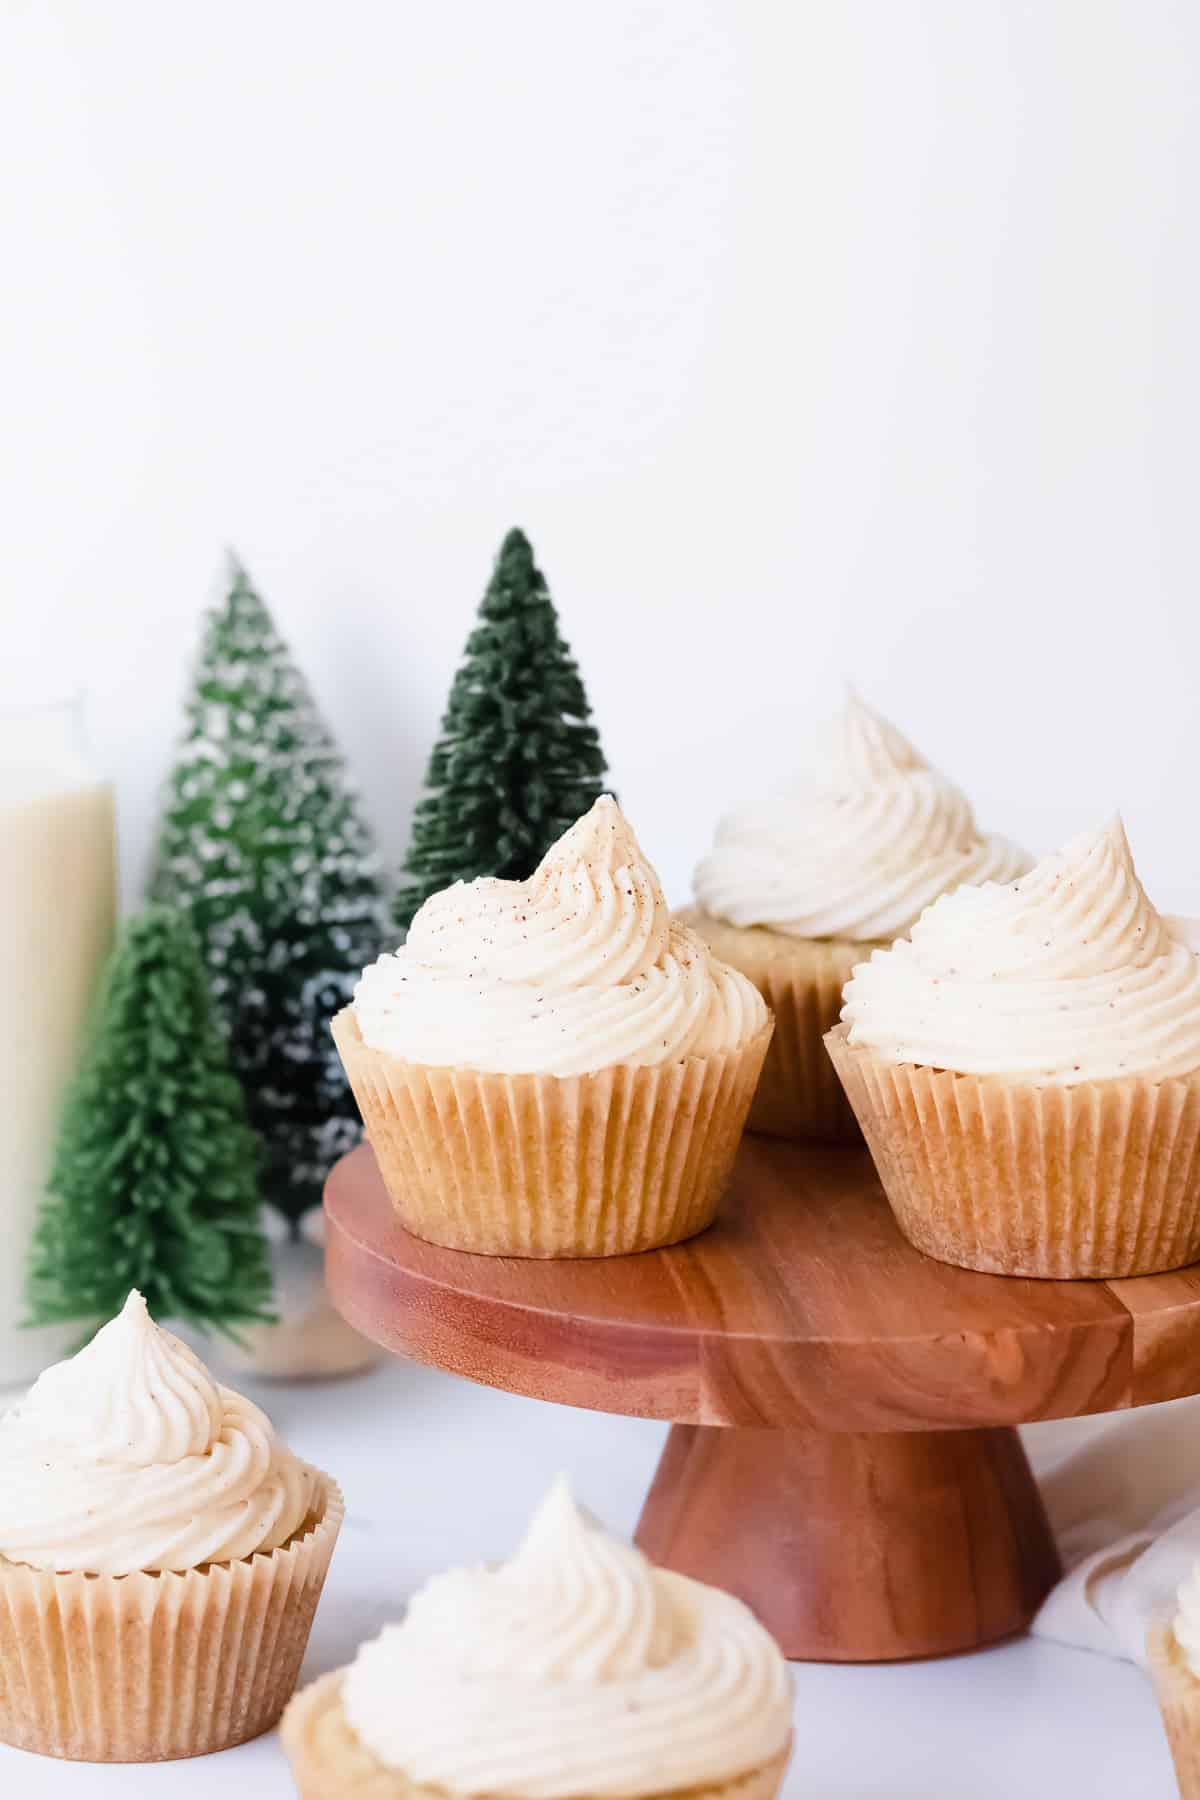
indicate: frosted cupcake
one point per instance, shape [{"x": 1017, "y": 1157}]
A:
[
  {"x": 574, "y": 1669},
  {"x": 552, "y": 1067},
  {"x": 161, "y": 1556},
  {"x": 800, "y": 888},
  {"x": 1173, "y": 1653},
  {"x": 1026, "y": 1069}
]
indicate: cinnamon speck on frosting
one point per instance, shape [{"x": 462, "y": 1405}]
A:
[{"x": 615, "y": 978}]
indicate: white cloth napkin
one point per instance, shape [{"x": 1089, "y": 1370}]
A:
[{"x": 1123, "y": 1496}]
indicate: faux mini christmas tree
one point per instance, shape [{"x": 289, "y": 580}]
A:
[
  {"x": 156, "y": 1177},
  {"x": 518, "y": 760},
  {"x": 265, "y": 846}
]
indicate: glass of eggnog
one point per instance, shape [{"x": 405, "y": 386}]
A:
[{"x": 58, "y": 885}]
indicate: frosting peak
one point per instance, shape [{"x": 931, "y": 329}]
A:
[
  {"x": 567, "y": 1556},
  {"x": 600, "y": 842},
  {"x": 576, "y": 968},
  {"x": 858, "y": 847},
  {"x": 574, "y": 1668},
  {"x": 858, "y": 745},
  {"x": 134, "y": 1395},
  {"x": 1066, "y": 975},
  {"x": 130, "y": 1456}
]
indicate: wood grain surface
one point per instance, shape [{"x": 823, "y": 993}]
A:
[
  {"x": 842, "y": 1457},
  {"x": 857, "y": 1548},
  {"x": 802, "y": 1306}
]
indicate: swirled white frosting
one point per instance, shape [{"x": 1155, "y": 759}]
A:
[
  {"x": 857, "y": 848},
  {"x": 1067, "y": 975},
  {"x": 577, "y": 968},
  {"x": 575, "y": 1668},
  {"x": 1187, "y": 1621},
  {"x": 129, "y": 1456}
]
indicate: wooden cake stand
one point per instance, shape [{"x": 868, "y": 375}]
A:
[{"x": 842, "y": 1452}]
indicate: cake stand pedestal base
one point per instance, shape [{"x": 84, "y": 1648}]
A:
[{"x": 857, "y": 1547}]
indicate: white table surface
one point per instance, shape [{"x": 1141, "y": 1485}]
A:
[{"x": 437, "y": 1472}]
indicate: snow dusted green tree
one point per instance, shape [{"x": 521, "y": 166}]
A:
[{"x": 264, "y": 844}]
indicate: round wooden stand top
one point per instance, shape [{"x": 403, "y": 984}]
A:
[{"x": 801, "y": 1307}]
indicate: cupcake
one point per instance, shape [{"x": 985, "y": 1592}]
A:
[
  {"x": 1173, "y": 1653},
  {"x": 552, "y": 1067},
  {"x": 800, "y": 888},
  {"x": 574, "y": 1669},
  {"x": 1026, "y": 1069},
  {"x": 161, "y": 1556}
]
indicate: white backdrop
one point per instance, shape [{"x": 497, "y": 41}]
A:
[{"x": 805, "y": 339}]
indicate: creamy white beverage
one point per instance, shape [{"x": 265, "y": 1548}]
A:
[{"x": 57, "y": 914}]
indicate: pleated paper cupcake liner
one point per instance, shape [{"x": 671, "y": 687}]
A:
[
  {"x": 1097, "y": 1180},
  {"x": 329, "y": 1762},
  {"x": 148, "y": 1668},
  {"x": 799, "y": 1096},
  {"x": 601, "y": 1164},
  {"x": 1178, "y": 1694}
]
